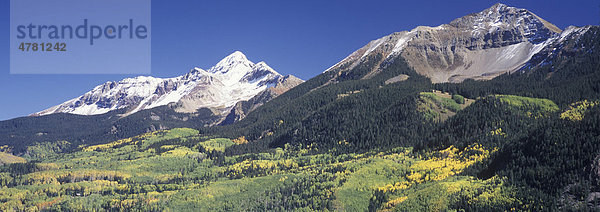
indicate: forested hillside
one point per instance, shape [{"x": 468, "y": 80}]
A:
[
  {"x": 22, "y": 132},
  {"x": 504, "y": 158}
]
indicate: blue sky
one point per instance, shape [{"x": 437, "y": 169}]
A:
[{"x": 302, "y": 38}]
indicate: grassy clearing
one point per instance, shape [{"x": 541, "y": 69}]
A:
[
  {"x": 532, "y": 107},
  {"x": 217, "y": 144},
  {"x": 6, "y": 158},
  {"x": 440, "y": 106}
]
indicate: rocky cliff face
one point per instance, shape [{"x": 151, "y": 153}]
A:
[{"x": 481, "y": 45}]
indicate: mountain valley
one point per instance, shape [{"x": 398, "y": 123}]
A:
[{"x": 494, "y": 111}]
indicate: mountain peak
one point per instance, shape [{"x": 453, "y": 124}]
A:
[
  {"x": 499, "y": 7},
  {"x": 237, "y": 55},
  {"x": 234, "y": 59},
  {"x": 501, "y": 18},
  {"x": 263, "y": 66}
]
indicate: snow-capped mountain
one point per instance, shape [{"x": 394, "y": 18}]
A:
[
  {"x": 232, "y": 80},
  {"x": 481, "y": 45}
]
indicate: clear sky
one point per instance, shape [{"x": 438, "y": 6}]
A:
[{"x": 302, "y": 38}]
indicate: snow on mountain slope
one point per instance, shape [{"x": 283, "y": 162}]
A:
[
  {"x": 233, "y": 79},
  {"x": 567, "y": 44},
  {"x": 481, "y": 45}
]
